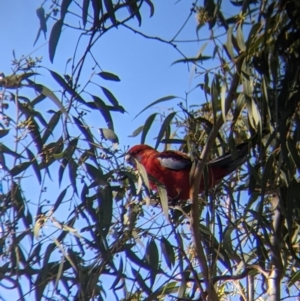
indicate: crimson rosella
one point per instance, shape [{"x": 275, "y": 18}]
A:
[{"x": 172, "y": 168}]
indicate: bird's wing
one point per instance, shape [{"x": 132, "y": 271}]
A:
[
  {"x": 227, "y": 161},
  {"x": 174, "y": 160}
]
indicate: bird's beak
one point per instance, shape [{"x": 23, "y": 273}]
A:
[
  {"x": 130, "y": 160},
  {"x": 127, "y": 158}
]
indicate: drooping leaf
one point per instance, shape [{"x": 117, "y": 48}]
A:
[
  {"x": 64, "y": 8},
  {"x": 152, "y": 258},
  {"x": 168, "y": 252},
  {"x": 163, "y": 128},
  {"x": 151, "y": 7},
  {"x": 229, "y": 45},
  {"x": 59, "y": 199},
  {"x": 54, "y": 38},
  {"x": 97, "y": 10},
  {"x": 108, "y": 134},
  {"x": 110, "y": 10},
  {"x": 41, "y": 15},
  {"x": 51, "y": 126},
  {"x": 223, "y": 101},
  {"x": 35, "y": 166},
  {"x": 201, "y": 58},
  {"x": 141, "y": 282},
  {"x": 66, "y": 86},
  {"x": 109, "y": 76},
  {"x": 112, "y": 100},
  {"x": 147, "y": 127},
  {"x": 166, "y": 98},
  {"x": 19, "y": 168},
  {"x": 137, "y": 131},
  {"x": 72, "y": 165},
  {"x": 85, "y": 10},
  {"x": 102, "y": 107},
  {"x": 163, "y": 196},
  {"x": 240, "y": 38},
  {"x": 3, "y": 132},
  {"x": 105, "y": 208},
  {"x": 48, "y": 93}
]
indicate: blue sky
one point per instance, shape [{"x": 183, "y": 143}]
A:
[{"x": 144, "y": 66}]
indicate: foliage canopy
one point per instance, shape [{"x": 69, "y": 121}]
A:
[{"x": 243, "y": 232}]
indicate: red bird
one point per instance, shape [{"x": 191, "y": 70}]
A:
[{"x": 172, "y": 168}]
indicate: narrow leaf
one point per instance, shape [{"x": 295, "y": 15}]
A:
[
  {"x": 64, "y": 8},
  {"x": 109, "y": 76},
  {"x": 147, "y": 127},
  {"x": 223, "y": 101},
  {"x": 85, "y": 9},
  {"x": 110, "y": 10},
  {"x": 163, "y": 128},
  {"x": 166, "y": 98},
  {"x": 229, "y": 44},
  {"x": 201, "y": 58},
  {"x": 104, "y": 111},
  {"x": 59, "y": 199},
  {"x": 54, "y": 38},
  {"x": 35, "y": 166},
  {"x": 240, "y": 38}
]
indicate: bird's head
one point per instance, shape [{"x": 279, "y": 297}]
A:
[{"x": 136, "y": 153}]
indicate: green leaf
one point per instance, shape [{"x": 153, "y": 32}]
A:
[
  {"x": 97, "y": 9},
  {"x": 240, "y": 38},
  {"x": 112, "y": 99},
  {"x": 19, "y": 168},
  {"x": 85, "y": 10},
  {"x": 72, "y": 165},
  {"x": 109, "y": 76},
  {"x": 141, "y": 282},
  {"x": 295, "y": 278},
  {"x": 40, "y": 12},
  {"x": 162, "y": 192},
  {"x": 110, "y": 135},
  {"x": 4, "y": 149},
  {"x": 137, "y": 131},
  {"x": 173, "y": 141},
  {"x": 252, "y": 34},
  {"x": 59, "y": 199},
  {"x": 229, "y": 45},
  {"x": 48, "y": 93},
  {"x": 104, "y": 111},
  {"x": 223, "y": 101},
  {"x": 139, "y": 262},
  {"x": 166, "y": 98},
  {"x": 105, "y": 208},
  {"x": 201, "y": 58},
  {"x": 51, "y": 126},
  {"x": 163, "y": 128},
  {"x": 147, "y": 127},
  {"x": 151, "y": 7},
  {"x": 64, "y": 8},
  {"x": 110, "y": 10},
  {"x": 152, "y": 259},
  {"x": 3, "y": 132},
  {"x": 151, "y": 254},
  {"x": 66, "y": 86},
  {"x": 240, "y": 104},
  {"x": 54, "y": 38},
  {"x": 35, "y": 166},
  {"x": 168, "y": 252},
  {"x": 142, "y": 171}
]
